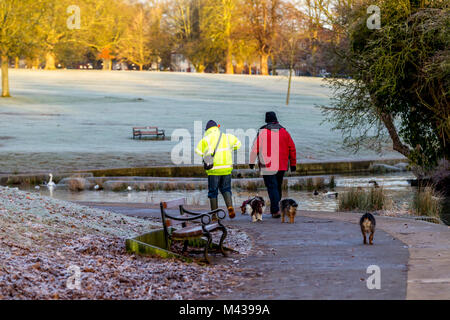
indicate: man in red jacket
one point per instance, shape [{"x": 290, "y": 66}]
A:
[{"x": 275, "y": 152}]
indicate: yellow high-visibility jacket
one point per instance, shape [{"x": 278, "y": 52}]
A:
[{"x": 223, "y": 159}]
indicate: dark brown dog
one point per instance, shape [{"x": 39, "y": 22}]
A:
[
  {"x": 367, "y": 224},
  {"x": 288, "y": 208},
  {"x": 255, "y": 207}
]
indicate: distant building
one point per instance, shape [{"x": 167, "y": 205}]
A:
[
  {"x": 324, "y": 73},
  {"x": 120, "y": 66},
  {"x": 180, "y": 63},
  {"x": 154, "y": 66},
  {"x": 282, "y": 72}
]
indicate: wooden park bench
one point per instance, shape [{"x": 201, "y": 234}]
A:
[
  {"x": 190, "y": 225},
  {"x": 148, "y": 131}
]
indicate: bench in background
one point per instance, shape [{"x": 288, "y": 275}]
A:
[{"x": 148, "y": 131}]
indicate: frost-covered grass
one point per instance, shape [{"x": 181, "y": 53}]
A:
[
  {"x": 23, "y": 212},
  {"x": 84, "y": 118},
  {"x": 43, "y": 239}
]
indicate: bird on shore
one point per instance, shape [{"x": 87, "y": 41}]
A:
[
  {"x": 129, "y": 188},
  {"x": 316, "y": 193},
  {"x": 96, "y": 187},
  {"x": 37, "y": 187},
  {"x": 330, "y": 194},
  {"x": 375, "y": 184}
]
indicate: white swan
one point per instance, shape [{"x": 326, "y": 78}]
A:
[
  {"x": 50, "y": 183},
  {"x": 96, "y": 187},
  {"x": 129, "y": 188}
]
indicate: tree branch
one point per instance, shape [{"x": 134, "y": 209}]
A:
[{"x": 396, "y": 142}]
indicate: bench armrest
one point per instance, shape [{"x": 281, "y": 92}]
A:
[
  {"x": 204, "y": 218},
  {"x": 210, "y": 213}
]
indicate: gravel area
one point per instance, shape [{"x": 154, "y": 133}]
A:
[{"x": 46, "y": 243}]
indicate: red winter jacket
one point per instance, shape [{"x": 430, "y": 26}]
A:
[{"x": 274, "y": 148}]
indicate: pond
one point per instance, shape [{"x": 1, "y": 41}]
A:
[{"x": 395, "y": 184}]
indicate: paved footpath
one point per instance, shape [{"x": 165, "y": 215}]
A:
[{"x": 321, "y": 256}]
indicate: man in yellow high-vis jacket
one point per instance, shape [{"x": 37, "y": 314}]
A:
[{"x": 219, "y": 177}]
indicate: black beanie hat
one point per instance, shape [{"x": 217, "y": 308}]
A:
[
  {"x": 210, "y": 124},
  {"x": 271, "y": 117}
]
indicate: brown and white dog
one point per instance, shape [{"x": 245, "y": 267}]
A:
[
  {"x": 254, "y": 207},
  {"x": 367, "y": 224},
  {"x": 288, "y": 208}
]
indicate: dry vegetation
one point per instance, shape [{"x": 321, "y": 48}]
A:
[
  {"x": 374, "y": 199},
  {"x": 427, "y": 202}
]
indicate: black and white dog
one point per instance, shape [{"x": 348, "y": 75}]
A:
[{"x": 254, "y": 207}]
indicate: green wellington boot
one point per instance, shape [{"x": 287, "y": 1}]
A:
[
  {"x": 229, "y": 202},
  {"x": 213, "y": 203}
]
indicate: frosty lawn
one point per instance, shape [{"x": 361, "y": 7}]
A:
[
  {"x": 41, "y": 239},
  {"x": 83, "y": 119}
]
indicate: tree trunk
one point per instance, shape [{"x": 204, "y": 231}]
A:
[
  {"x": 274, "y": 71},
  {"x": 291, "y": 67},
  {"x": 264, "y": 64},
  {"x": 5, "y": 78},
  {"x": 289, "y": 87},
  {"x": 107, "y": 64},
  {"x": 240, "y": 67},
  {"x": 141, "y": 67},
  {"x": 35, "y": 63},
  {"x": 16, "y": 64},
  {"x": 396, "y": 142},
  {"x": 50, "y": 61},
  {"x": 229, "y": 67},
  {"x": 314, "y": 48},
  {"x": 200, "y": 68}
]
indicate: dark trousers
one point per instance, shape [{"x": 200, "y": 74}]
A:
[
  {"x": 218, "y": 183},
  {"x": 274, "y": 185}
]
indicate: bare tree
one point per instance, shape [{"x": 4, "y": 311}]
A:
[
  {"x": 103, "y": 26},
  {"x": 18, "y": 19},
  {"x": 135, "y": 45},
  {"x": 193, "y": 24},
  {"x": 291, "y": 41},
  {"x": 264, "y": 17},
  {"x": 52, "y": 30},
  {"x": 222, "y": 22}
]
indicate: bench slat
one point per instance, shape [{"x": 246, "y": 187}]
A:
[
  {"x": 193, "y": 231},
  {"x": 171, "y": 222},
  {"x": 174, "y": 203},
  {"x": 140, "y": 128}
]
